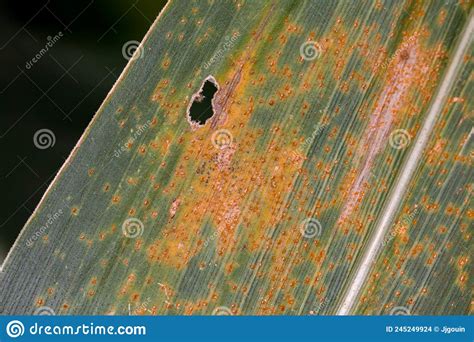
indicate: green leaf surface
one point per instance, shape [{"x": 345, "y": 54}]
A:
[{"x": 268, "y": 207}]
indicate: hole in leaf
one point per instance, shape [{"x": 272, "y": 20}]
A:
[{"x": 201, "y": 108}]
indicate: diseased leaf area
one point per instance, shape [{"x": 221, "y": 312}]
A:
[
  {"x": 201, "y": 108},
  {"x": 266, "y": 208},
  {"x": 426, "y": 261}
]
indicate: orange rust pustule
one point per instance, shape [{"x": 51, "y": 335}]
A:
[{"x": 410, "y": 64}]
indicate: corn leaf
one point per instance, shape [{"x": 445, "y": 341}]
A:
[{"x": 288, "y": 199}]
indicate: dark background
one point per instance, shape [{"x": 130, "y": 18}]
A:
[{"x": 60, "y": 92}]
